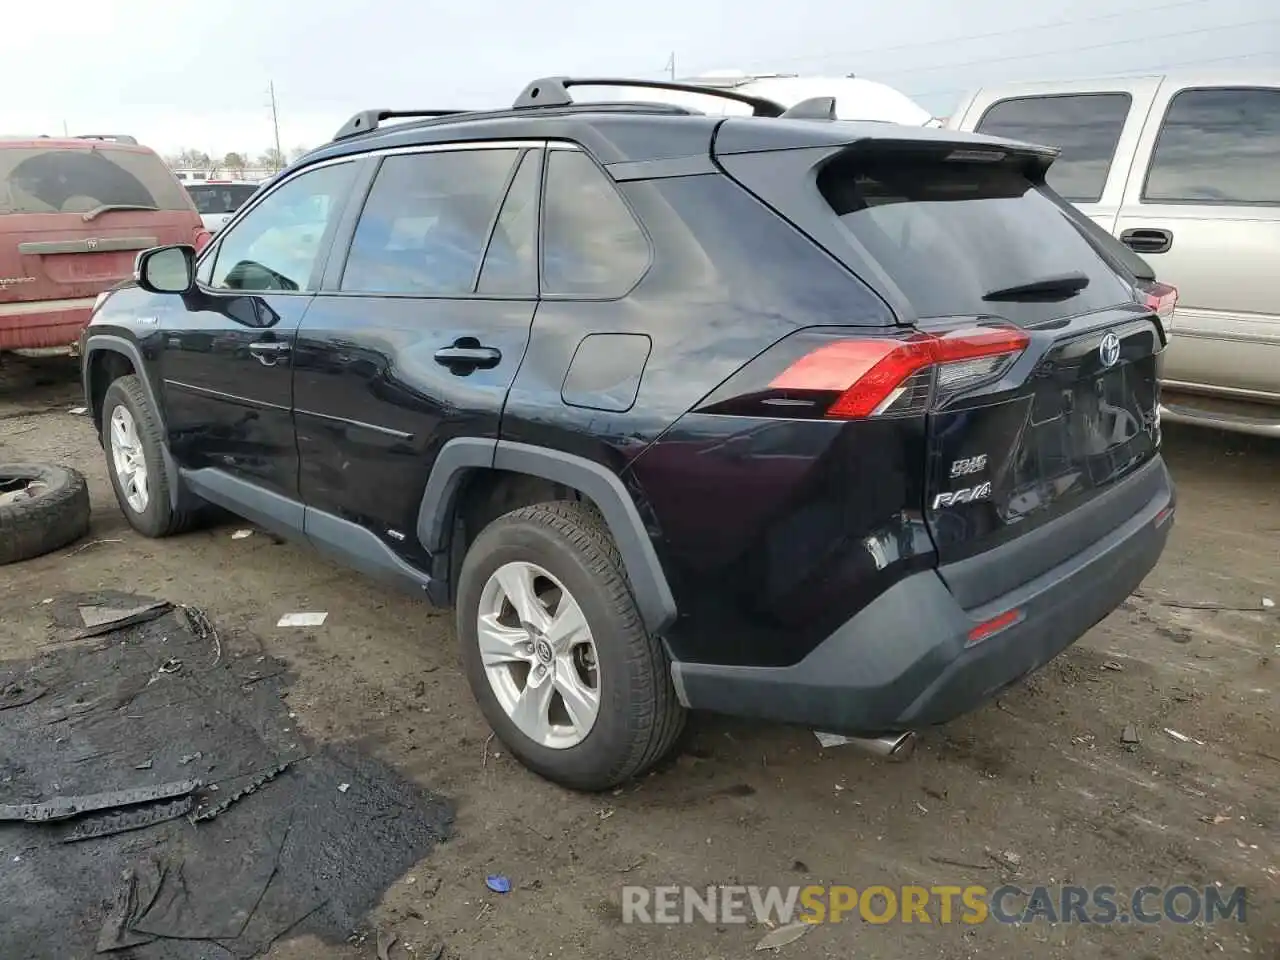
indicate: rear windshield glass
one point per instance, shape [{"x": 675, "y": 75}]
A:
[
  {"x": 79, "y": 180},
  {"x": 949, "y": 234},
  {"x": 220, "y": 197}
]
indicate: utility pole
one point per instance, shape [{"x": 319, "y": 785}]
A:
[
  {"x": 671, "y": 65},
  {"x": 275, "y": 122}
]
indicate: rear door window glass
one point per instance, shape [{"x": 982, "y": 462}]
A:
[
  {"x": 83, "y": 179},
  {"x": 951, "y": 234},
  {"x": 592, "y": 246},
  {"x": 1218, "y": 146},
  {"x": 213, "y": 198},
  {"x": 277, "y": 244},
  {"x": 427, "y": 220},
  {"x": 511, "y": 261},
  {"x": 1085, "y": 127}
]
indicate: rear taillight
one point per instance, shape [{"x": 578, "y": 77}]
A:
[
  {"x": 201, "y": 238},
  {"x": 1160, "y": 298},
  {"x": 874, "y": 377}
]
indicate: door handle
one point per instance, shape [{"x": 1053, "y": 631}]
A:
[
  {"x": 1147, "y": 240},
  {"x": 467, "y": 354},
  {"x": 269, "y": 352}
]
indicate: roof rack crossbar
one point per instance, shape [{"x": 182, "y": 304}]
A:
[
  {"x": 554, "y": 92},
  {"x": 367, "y": 120},
  {"x": 116, "y": 137},
  {"x": 815, "y": 108}
]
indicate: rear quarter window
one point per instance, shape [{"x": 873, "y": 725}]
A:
[
  {"x": 951, "y": 233},
  {"x": 79, "y": 179},
  {"x": 1085, "y": 127},
  {"x": 1218, "y": 146}
]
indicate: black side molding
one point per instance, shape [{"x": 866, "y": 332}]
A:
[
  {"x": 604, "y": 487},
  {"x": 105, "y": 342}
]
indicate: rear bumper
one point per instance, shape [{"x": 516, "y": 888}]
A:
[
  {"x": 905, "y": 661},
  {"x": 39, "y": 325}
]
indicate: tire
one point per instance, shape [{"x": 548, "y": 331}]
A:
[
  {"x": 638, "y": 718},
  {"x": 152, "y": 516},
  {"x": 54, "y": 515}
]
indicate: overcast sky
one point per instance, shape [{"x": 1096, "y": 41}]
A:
[{"x": 192, "y": 74}]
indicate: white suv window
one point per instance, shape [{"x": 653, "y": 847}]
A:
[
  {"x": 1218, "y": 146},
  {"x": 1086, "y": 127}
]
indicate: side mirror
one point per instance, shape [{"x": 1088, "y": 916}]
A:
[{"x": 166, "y": 269}]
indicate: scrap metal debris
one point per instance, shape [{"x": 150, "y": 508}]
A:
[
  {"x": 211, "y": 810},
  {"x": 19, "y": 693},
  {"x": 302, "y": 619},
  {"x": 103, "y": 620},
  {"x": 122, "y": 821},
  {"x": 775, "y": 939},
  {"x": 62, "y": 808}
]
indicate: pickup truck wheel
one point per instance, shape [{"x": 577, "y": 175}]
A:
[
  {"x": 131, "y": 437},
  {"x": 556, "y": 653},
  {"x": 42, "y": 507}
]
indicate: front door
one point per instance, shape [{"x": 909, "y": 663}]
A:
[
  {"x": 227, "y": 347},
  {"x": 417, "y": 336}
]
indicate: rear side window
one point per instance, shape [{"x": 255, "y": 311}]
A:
[
  {"x": 423, "y": 229},
  {"x": 956, "y": 237},
  {"x": 592, "y": 246},
  {"x": 80, "y": 180},
  {"x": 511, "y": 260},
  {"x": 1085, "y": 127},
  {"x": 1218, "y": 146},
  {"x": 213, "y": 198}
]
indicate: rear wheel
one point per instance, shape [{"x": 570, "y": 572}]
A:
[
  {"x": 139, "y": 475},
  {"x": 555, "y": 651}
]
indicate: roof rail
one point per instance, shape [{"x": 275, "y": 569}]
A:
[
  {"x": 554, "y": 92},
  {"x": 815, "y": 108},
  {"x": 114, "y": 137},
  {"x": 367, "y": 120}
]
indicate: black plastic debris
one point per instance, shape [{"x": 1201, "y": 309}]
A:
[{"x": 229, "y": 839}]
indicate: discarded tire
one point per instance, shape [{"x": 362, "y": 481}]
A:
[{"x": 42, "y": 507}]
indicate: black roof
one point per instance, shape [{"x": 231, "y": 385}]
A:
[{"x": 622, "y": 132}]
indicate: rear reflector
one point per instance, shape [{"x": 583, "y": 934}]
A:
[
  {"x": 993, "y": 626},
  {"x": 875, "y": 377}
]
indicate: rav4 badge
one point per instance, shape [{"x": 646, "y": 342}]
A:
[{"x": 963, "y": 495}]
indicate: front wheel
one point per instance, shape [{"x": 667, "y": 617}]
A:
[
  {"x": 556, "y": 653},
  {"x": 135, "y": 462}
]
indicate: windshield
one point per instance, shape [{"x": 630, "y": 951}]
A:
[
  {"x": 948, "y": 233},
  {"x": 80, "y": 180},
  {"x": 220, "y": 197}
]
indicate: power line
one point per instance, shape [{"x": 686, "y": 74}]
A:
[
  {"x": 1131, "y": 72},
  {"x": 1039, "y": 54},
  {"x": 1011, "y": 32}
]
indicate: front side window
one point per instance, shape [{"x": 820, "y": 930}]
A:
[
  {"x": 592, "y": 246},
  {"x": 427, "y": 220},
  {"x": 277, "y": 245},
  {"x": 1085, "y": 127},
  {"x": 1218, "y": 146}
]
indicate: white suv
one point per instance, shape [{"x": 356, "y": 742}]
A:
[{"x": 217, "y": 200}]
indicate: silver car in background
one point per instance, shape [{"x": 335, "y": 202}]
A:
[
  {"x": 1185, "y": 170},
  {"x": 217, "y": 200}
]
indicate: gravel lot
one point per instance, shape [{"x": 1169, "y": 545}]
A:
[{"x": 1041, "y": 774}]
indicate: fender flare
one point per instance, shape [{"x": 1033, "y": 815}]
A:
[
  {"x": 653, "y": 595},
  {"x": 111, "y": 343}
]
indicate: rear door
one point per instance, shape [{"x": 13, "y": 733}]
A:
[
  {"x": 1095, "y": 126},
  {"x": 1203, "y": 208},
  {"x": 73, "y": 216},
  {"x": 418, "y": 331}
]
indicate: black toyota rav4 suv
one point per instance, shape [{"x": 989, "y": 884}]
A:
[{"x": 848, "y": 425}]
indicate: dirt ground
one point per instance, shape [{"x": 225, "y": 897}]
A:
[{"x": 1041, "y": 773}]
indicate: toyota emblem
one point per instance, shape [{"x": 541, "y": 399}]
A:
[{"x": 1109, "y": 350}]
